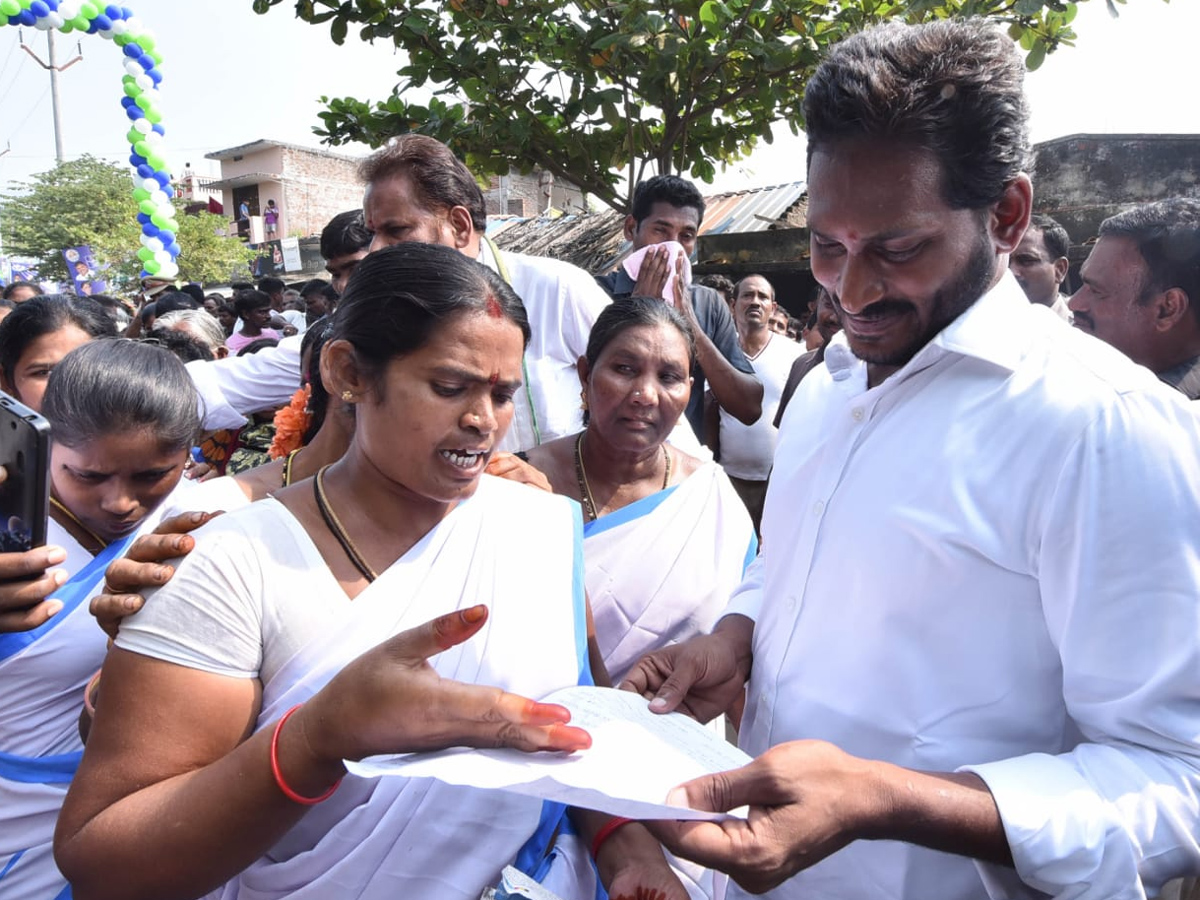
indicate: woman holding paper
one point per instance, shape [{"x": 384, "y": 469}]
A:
[{"x": 232, "y": 699}]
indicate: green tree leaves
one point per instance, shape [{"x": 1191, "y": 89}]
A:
[{"x": 598, "y": 90}]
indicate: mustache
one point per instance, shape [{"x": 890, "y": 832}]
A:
[
  {"x": 1083, "y": 319},
  {"x": 880, "y": 309}
]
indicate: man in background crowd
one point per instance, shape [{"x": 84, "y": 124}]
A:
[
  {"x": 1040, "y": 263},
  {"x": 1141, "y": 289}
]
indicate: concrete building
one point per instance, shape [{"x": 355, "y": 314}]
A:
[
  {"x": 515, "y": 194},
  {"x": 309, "y": 186}
]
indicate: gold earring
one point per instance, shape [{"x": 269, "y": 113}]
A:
[{"x": 347, "y": 396}]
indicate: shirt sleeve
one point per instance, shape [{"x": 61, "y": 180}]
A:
[
  {"x": 714, "y": 318},
  {"x": 209, "y": 615},
  {"x": 747, "y": 599},
  {"x": 232, "y": 388},
  {"x": 1120, "y": 581}
]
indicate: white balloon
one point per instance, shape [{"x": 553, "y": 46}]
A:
[
  {"x": 106, "y": 33},
  {"x": 143, "y": 125},
  {"x": 134, "y": 27},
  {"x": 160, "y": 197},
  {"x": 144, "y": 81},
  {"x": 155, "y": 244},
  {"x": 150, "y": 184},
  {"x": 119, "y": 26},
  {"x": 42, "y": 24},
  {"x": 132, "y": 67},
  {"x": 154, "y": 139},
  {"x": 168, "y": 270},
  {"x": 55, "y": 20}
]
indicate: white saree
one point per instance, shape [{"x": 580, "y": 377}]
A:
[
  {"x": 44, "y": 673},
  {"x": 512, "y": 548},
  {"x": 663, "y": 569}
]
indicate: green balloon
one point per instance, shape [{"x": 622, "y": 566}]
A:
[
  {"x": 152, "y": 267},
  {"x": 81, "y": 22},
  {"x": 133, "y": 136},
  {"x": 10, "y": 7},
  {"x": 154, "y": 116},
  {"x": 147, "y": 207},
  {"x": 67, "y": 27},
  {"x": 145, "y": 254},
  {"x": 156, "y": 162},
  {"x": 146, "y": 42},
  {"x": 130, "y": 87},
  {"x": 141, "y": 148},
  {"x": 88, "y": 9},
  {"x": 157, "y": 218},
  {"x": 121, "y": 39},
  {"x": 140, "y": 194},
  {"x": 156, "y": 56}
]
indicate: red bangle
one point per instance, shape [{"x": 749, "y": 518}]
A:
[
  {"x": 275, "y": 770},
  {"x": 605, "y": 832}
]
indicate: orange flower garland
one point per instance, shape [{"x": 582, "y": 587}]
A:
[{"x": 291, "y": 423}]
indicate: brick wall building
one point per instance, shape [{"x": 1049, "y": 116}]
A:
[{"x": 309, "y": 186}]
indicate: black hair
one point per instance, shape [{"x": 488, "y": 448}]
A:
[
  {"x": 719, "y": 283},
  {"x": 254, "y": 346},
  {"x": 121, "y": 385},
  {"x": 632, "y": 312},
  {"x": 669, "y": 189},
  {"x": 737, "y": 288},
  {"x": 271, "y": 285},
  {"x": 7, "y": 304},
  {"x": 11, "y": 289},
  {"x": 1054, "y": 237},
  {"x": 952, "y": 87},
  {"x": 194, "y": 291},
  {"x": 346, "y": 233},
  {"x": 44, "y": 315},
  {"x": 169, "y": 301},
  {"x": 400, "y": 295},
  {"x": 314, "y": 341},
  {"x": 241, "y": 286},
  {"x": 438, "y": 177},
  {"x": 313, "y": 286},
  {"x": 1167, "y": 235},
  {"x": 149, "y": 311},
  {"x": 245, "y": 302},
  {"x": 181, "y": 344}
]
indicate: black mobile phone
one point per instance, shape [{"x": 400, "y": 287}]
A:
[{"x": 25, "y": 492}]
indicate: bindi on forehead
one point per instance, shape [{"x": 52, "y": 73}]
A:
[
  {"x": 493, "y": 378},
  {"x": 492, "y": 305}
]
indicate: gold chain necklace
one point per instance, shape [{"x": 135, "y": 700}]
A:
[
  {"x": 287, "y": 466},
  {"x": 334, "y": 524},
  {"x": 585, "y": 489},
  {"x": 57, "y": 504}
]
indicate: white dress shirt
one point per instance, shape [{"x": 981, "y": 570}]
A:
[{"x": 990, "y": 562}]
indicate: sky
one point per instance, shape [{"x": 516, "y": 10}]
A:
[{"x": 232, "y": 77}]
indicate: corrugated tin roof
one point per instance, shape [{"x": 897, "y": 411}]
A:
[
  {"x": 596, "y": 241},
  {"x": 753, "y": 210}
]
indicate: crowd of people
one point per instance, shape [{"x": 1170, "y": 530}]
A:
[{"x": 928, "y": 549}]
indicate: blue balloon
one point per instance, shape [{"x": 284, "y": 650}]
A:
[
  {"x": 162, "y": 178},
  {"x": 155, "y": 75},
  {"x": 144, "y": 171},
  {"x": 132, "y": 50},
  {"x": 158, "y": 129},
  {"x": 149, "y": 229},
  {"x": 173, "y": 249},
  {"x": 145, "y": 60},
  {"x": 136, "y": 160},
  {"x": 126, "y": 12},
  {"x": 39, "y": 9},
  {"x": 113, "y": 12},
  {"x": 14, "y": 20},
  {"x": 134, "y": 113},
  {"x": 143, "y": 219},
  {"x": 26, "y": 18},
  {"x": 127, "y": 101},
  {"x": 53, "y": 4},
  {"x": 100, "y": 23}
]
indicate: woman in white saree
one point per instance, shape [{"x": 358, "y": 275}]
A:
[
  {"x": 666, "y": 538},
  {"x": 215, "y": 759}
]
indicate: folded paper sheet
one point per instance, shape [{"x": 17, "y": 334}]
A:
[{"x": 635, "y": 759}]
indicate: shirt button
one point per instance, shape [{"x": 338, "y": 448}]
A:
[
  {"x": 857, "y": 414},
  {"x": 791, "y": 604},
  {"x": 818, "y": 507}
]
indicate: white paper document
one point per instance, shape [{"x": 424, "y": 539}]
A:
[{"x": 636, "y": 758}]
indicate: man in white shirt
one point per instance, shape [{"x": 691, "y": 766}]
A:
[
  {"x": 746, "y": 451},
  {"x": 1040, "y": 264},
  {"x": 972, "y": 639},
  {"x": 417, "y": 190}
]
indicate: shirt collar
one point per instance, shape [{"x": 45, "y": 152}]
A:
[{"x": 994, "y": 328}]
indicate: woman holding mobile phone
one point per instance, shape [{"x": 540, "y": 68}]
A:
[{"x": 123, "y": 416}]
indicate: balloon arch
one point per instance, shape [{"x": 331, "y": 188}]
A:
[{"x": 151, "y": 177}]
